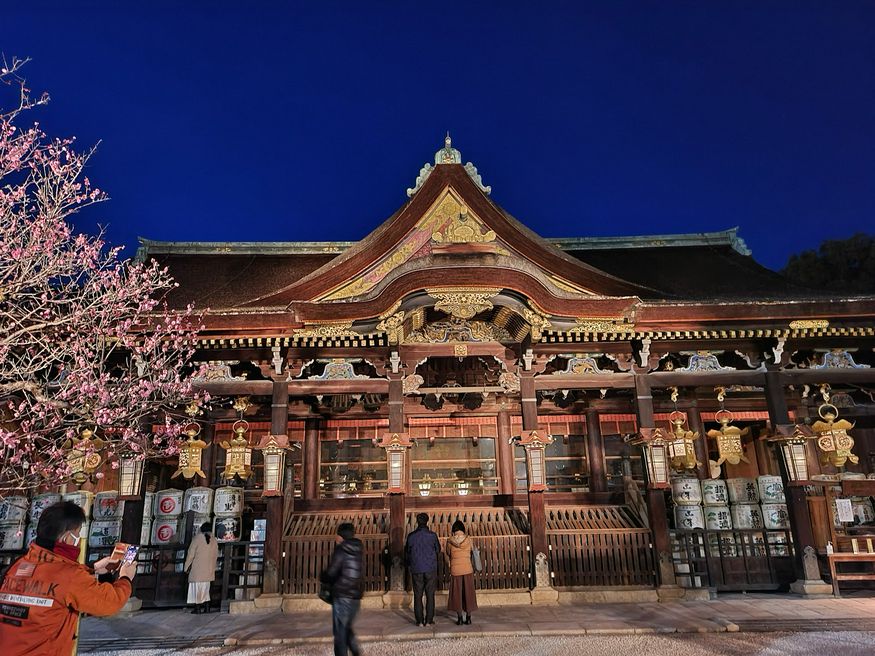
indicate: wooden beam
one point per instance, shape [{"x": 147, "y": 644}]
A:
[{"x": 595, "y": 381}]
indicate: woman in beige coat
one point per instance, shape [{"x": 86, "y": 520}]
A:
[
  {"x": 462, "y": 597},
  {"x": 200, "y": 563}
]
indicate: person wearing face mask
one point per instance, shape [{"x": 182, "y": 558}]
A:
[{"x": 44, "y": 591}]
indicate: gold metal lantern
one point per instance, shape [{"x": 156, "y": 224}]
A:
[
  {"x": 832, "y": 437},
  {"x": 238, "y": 452},
  {"x": 728, "y": 438},
  {"x": 681, "y": 450},
  {"x": 84, "y": 458},
  {"x": 191, "y": 453}
]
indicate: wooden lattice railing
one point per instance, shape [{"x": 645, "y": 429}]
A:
[
  {"x": 599, "y": 546},
  {"x": 310, "y": 541},
  {"x": 502, "y": 535}
]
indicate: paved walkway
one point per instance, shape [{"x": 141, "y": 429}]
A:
[{"x": 175, "y": 628}]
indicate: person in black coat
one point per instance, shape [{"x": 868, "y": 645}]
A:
[
  {"x": 422, "y": 552},
  {"x": 344, "y": 575}
]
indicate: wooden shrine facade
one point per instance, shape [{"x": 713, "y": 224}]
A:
[{"x": 456, "y": 329}]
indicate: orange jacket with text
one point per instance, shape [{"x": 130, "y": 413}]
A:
[{"x": 40, "y": 600}]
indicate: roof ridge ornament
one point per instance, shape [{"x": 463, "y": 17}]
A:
[{"x": 448, "y": 155}]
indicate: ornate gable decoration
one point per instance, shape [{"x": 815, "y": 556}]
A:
[
  {"x": 445, "y": 226},
  {"x": 448, "y": 155}
]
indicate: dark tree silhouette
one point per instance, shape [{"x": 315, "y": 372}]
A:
[{"x": 843, "y": 265}]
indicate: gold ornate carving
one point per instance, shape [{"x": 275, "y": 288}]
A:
[
  {"x": 338, "y": 329},
  {"x": 411, "y": 383},
  {"x": 510, "y": 382},
  {"x": 455, "y": 330},
  {"x": 607, "y": 325},
  {"x": 801, "y": 324},
  {"x": 538, "y": 322},
  {"x": 462, "y": 302},
  {"x": 463, "y": 230},
  {"x": 460, "y": 350},
  {"x": 393, "y": 326}
]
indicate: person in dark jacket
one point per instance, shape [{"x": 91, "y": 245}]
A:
[
  {"x": 344, "y": 575},
  {"x": 422, "y": 552}
]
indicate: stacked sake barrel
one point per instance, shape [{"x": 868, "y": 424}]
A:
[
  {"x": 199, "y": 500},
  {"x": 228, "y": 509},
  {"x": 687, "y": 496},
  {"x": 13, "y": 519},
  {"x": 718, "y": 517},
  {"x": 85, "y": 500},
  {"x": 106, "y": 526},
  {"x": 148, "y": 514},
  {"x": 167, "y": 525},
  {"x": 744, "y": 497}
]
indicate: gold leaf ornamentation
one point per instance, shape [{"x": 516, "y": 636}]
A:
[
  {"x": 341, "y": 329},
  {"x": 464, "y": 302},
  {"x": 588, "y": 325},
  {"x": 801, "y": 324}
]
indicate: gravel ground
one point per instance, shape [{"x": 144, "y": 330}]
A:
[{"x": 846, "y": 643}]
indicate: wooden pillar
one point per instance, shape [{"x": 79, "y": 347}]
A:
[
  {"x": 311, "y": 458},
  {"x": 595, "y": 452},
  {"x": 273, "y": 540},
  {"x": 694, "y": 419},
  {"x": 208, "y": 461},
  {"x": 797, "y": 504},
  {"x": 537, "y": 512},
  {"x": 506, "y": 467},
  {"x": 397, "y": 502},
  {"x": 656, "y": 509},
  {"x": 528, "y": 401}
]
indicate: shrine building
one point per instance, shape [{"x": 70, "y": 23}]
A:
[{"x": 612, "y": 418}]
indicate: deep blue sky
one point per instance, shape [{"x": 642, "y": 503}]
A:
[{"x": 307, "y": 121}]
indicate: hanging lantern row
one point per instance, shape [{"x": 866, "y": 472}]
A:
[
  {"x": 238, "y": 452},
  {"x": 728, "y": 439},
  {"x": 191, "y": 453}
]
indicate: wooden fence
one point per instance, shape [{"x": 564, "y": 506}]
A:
[
  {"x": 501, "y": 535},
  {"x": 310, "y": 541},
  {"x": 599, "y": 546}
]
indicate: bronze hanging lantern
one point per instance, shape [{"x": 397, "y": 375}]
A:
[
  {"x": 728, "y": 438},
  {"x": 238, "y": 452},
  {"x": 191, "y": 453},
  {"x": 681, "y": 450},
  {"x": 84, "y": 458},
  {"x": 832, "y": 437}
]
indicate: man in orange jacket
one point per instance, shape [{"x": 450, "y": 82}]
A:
[{"x": 44, "y": 591}]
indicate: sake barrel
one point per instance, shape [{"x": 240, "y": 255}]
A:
[
  {"x": 13, "y": 509},
  {"x": 228, "y": 501},
  {"x": 863, "y": 511},
  {"x": 165, "y": 530},
  {"x": 778, "y": 544},
  {"x": 742, "y": 490},
  {"x": 722, "y": 545},
  {"x": 686, "y": 491},
  {"x": 746, "y": 515},
  {"x": 688, "y": 517},
  {"x": 81, "y": 498},
  {"x": 714, "y": 493},
  {"x": 107, "y": 506},
  {"x": 12, "y": 536},
  {"x": 41, "y": 502},
  {"x": 168, "y": 503},
  {"x": 775, "y": 515},
  {"x": 104, "y": 532},
  {"x": 148, "y": 504},
  {"x": 29, "y": 534},
  {"x": 199, "y": 500},
  {"x": 228, "y": 528},
  {"x": 771, "y": 489},
  {"x": 718, "y": 518}
]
